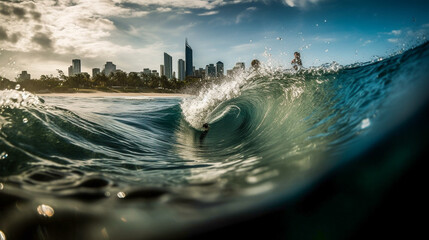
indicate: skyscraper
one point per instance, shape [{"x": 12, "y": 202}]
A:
[
  {"x": 23, "y": 76},
  {"x": 95, "y": 72},
  {"x": 162, "y": 70},
  {"x": 210, "y": 71},
  {"x": 168, "y": 66},
  {"x": 147, "y": 71},
  {"x": 71, "y": 71},
  {"x": 188, "y": 59},
  {"x": 181, "y": 69},
  {"x": 76, "y": 66},
  {"x": 109, "y": 67},
  {"x": 219, "y": 69}
]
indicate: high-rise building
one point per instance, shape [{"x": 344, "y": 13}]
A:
[
  {"x": 76, "y": 66},
  {"x": 238, "y": 67},
  {"x": 168, "y": 66},
  {"x": 155, "y": 73},
  {"x": 109, "y": 67},
  {"x": 23, "y": 76},
  {"x": 210, "y": 71},
  {"x": 219, "y": 69},
  {"x": 147, "y": 71},
  {"x": 95, "y": 72},
  {"x": 188, "y": 60},
  {"x": 181, "y": 69},
  {"x": 162, "y": 70},
  {"x": 71, "y": 71}
]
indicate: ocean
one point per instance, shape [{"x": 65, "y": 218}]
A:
[{"x": 143, "y": 167}]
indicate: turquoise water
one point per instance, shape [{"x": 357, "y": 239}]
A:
[{"x": 105, "y": 165}]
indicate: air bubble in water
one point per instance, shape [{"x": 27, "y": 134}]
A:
[
  {"x": 121, "y": 195},
  {"x": 1, "y": 186},
  {"x": 17, "y": 87},
  {"x": 3, "y": 155},
  {"x": 25, "y": 120},
  {"x": 365, "y": 123},
  {"x": 45, "y": 210},
  {"x": 2, "y": 236},
  {"x": 326, "y": 50}
]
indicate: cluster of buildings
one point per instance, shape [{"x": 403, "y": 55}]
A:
[
  {"x": 185, "y": 67},
  {"x": 75, "y": 68}
]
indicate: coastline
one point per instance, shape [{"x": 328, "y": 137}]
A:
[{"x": 113, "y": 94}]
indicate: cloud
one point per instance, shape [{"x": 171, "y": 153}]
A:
[
  {"x": 3, "y": 34},
  {"x": 396, "y": 32},
  {"x": 208, "y": 13},
  {"x": 13, "y": 38},
  {"x": 186, "y": 4},
  {"x": 300, "y": 3},
  {"x": 43, "y": 40},
  {"x": 245, "y": 14},
  {"x": 163, "y": 9}
]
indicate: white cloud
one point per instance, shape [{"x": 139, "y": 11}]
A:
[
  {"x": 300, "y": 3},
  {"x": 396, "y": 32},
  {"x": 245, "y": 14},
  {"x": 164, "y": 9},
  {"x": 187, "y": 4},
  {"x": 208, "y": 13},
  {"x": 243, "y": 47}
]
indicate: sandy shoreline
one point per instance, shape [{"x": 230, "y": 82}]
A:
[{"x": 112, "y": 94}]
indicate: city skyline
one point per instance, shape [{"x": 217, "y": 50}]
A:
[{"x": 42, "y": 36}]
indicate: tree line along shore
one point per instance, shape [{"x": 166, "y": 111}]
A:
[{"x": 118, "y": 81}]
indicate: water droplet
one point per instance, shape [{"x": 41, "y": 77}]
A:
[
  {"x": 17, "y": 87},
  {"x": 3, "y": 155},
  {"x": 365, "y": 123},
  {"x": 326, "y": 50},
  {"x": 25, "y": 120},
  {"x": 45, "y": 210},
  {"x": 2, "y": 236},
  {"x": 121, "y": 195}
]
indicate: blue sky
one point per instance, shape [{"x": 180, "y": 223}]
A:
[{"x": 45, "y": 35}]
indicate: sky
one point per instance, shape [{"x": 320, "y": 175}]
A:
[{"x": 45, "y": 35}]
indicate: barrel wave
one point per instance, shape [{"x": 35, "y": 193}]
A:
[{"x": 272, "y": 131}]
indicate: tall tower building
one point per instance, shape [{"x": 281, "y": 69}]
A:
[
  {"x": 210, "y": 71},
  {"x": 109, "y": 67},
  {"x": 70, "y": 71},
  {"x": 95, "y": 72},
  {"x": 219, "y": 69},
  {"x": 168, "y": 66},
  {"x": 188, "y": 59},
  {"x": 162, "y": 70},
  {"x": 181, "y": 69},
  {"x": 76, "y": 66}
]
